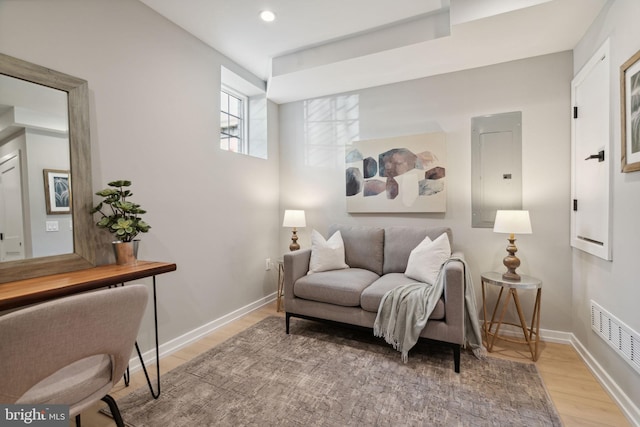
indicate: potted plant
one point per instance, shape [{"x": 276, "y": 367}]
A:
[{"x": 122, "y": 218}]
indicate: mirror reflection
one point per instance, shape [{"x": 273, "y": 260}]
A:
[{"x": 35, "y": 198}]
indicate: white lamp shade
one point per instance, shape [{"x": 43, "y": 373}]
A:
[
  {"x": 512, "y": 222},
  {"x": 294, "y": 218}
]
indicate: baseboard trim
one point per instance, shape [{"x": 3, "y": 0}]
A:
[
  {"x": 190, "y": 337},
  {"x": 547, "y": 335},
  {"x": 557, "y": 337},
  {"x": 629, "y": 409}
]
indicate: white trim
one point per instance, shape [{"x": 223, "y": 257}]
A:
[
  {"x": 603, "y": 250},
  {"x": 547, "y": 335},
  {"x": 244, "y": 119},
  {"x": 182, "y": 341},
  {"x": 629, "y": 409},
  {"x": 557, "y": 337},
  {"x": 234, "y": 80}
]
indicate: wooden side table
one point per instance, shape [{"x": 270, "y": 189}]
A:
[
  {"x": 531, "y": 333},
  {"x": 280, "y": 291}
]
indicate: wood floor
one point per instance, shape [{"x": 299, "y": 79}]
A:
[{"x": 577, "y": 395}]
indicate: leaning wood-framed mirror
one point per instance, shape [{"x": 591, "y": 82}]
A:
[{"x": 83, "y": 255}]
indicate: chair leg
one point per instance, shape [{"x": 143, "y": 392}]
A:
[
  {"x": 78, "y": 422},
  {"x": 115, "y": 412}
]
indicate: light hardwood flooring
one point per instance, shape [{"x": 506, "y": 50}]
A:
[{"x": 577, "y": 395}]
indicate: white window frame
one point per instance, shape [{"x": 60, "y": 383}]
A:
[
  {"x": 253, "y": 97},
  {"x": 243, "y": 137}
]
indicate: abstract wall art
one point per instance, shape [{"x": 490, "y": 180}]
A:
[{"x": 400, "y": 174}]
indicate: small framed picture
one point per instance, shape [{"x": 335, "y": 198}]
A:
[
  {"x": 57, "y": 191},
  {"x": 630, "y": 113}
]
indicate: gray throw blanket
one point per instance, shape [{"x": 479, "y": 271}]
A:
[{"x": 404, "y": 311}]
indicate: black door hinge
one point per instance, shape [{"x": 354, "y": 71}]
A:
[
  {"x": 575, "y": 204},
  {"x": 575, "y": 112}
]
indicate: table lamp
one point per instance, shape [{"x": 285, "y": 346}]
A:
[
  {"x": 512, "y": 222},
  {"x": 294, "y": 218}
]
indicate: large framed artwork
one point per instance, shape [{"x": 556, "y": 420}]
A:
[
  {"x": 57, "y": 191},
  {"x": 630, "y": 113},
  {"x": 399, "y": 175}
]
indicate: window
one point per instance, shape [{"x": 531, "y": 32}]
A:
[
  {"x": 330, "y": 124},
  {"x": 243, "y": 115},
  {"x": 233, "y": 132}
]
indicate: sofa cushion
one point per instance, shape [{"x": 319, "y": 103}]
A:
[
  {"x": 326, "y": 254},
  {"x": 372, "y": 295},
  {"x": 363, "y": 246},
  {"x": 339, "y": 287},
  {"x": 400, "y": 241},
  {"x": 425, "y": 261}
]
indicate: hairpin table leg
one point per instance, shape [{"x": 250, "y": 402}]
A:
[{"x": 156, "y": 393}]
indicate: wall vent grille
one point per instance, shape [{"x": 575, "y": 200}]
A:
[{"x": 619, "y": 336}]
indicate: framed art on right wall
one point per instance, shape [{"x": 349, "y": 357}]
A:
[
  {"x": 57, "y": 191},
  {"x": 630, "y": 113}
]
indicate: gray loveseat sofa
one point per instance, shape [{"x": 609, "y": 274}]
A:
[{"x": 377, "y": 258}]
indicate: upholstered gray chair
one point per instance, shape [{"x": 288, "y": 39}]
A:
[{"x": 70, "y": 350}]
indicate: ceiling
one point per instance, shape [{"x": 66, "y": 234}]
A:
[{"x": 321, "y": 47}]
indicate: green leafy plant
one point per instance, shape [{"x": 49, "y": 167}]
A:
[{"x": 119, "y": 215}]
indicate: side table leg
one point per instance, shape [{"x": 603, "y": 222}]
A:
[
  {"x": 280, "y": 291},
  {"x": 495, "y": 309},
  {"x": 499, "y": 323},
  {"x": 484, "y": 313},
  {"x": 523, "y": 323},
  {"x": 489, "y": 326},
  {"x": 535, "y": 322}
]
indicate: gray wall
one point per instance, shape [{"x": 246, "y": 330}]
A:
[
  {"x": 46, "y": 151},
  {"x": 613, "y": 285},
  {"x": 154, "y": 99},
  {"x": 539, "y": 87}
]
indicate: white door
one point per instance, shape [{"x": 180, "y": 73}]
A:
[
  {"x": 591, "y": 157},
  {"x": 11, "y": 223},
  {"x": 496, "y": 166}
]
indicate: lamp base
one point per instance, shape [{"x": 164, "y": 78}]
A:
[
  {"x": 294, "y": 246},
  {"x": 515, "y": 277},
  {"x": 511, "y": 261}
]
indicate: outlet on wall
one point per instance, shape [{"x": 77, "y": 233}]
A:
[
  {"x": 51, "y": 225},
  {"x": 267, "y": 264}
]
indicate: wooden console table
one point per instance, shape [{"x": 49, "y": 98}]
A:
[{"x": 25, "y": 292}]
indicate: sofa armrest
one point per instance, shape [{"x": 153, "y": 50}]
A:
[
  {"x": 296, "y": 265},
  {"x": 454, "y": 291}
]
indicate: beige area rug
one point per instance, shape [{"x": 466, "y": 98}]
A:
[{"x": 325, "y": 375}]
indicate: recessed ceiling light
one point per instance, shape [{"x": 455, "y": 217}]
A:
[{"x": 267, "y": 16}]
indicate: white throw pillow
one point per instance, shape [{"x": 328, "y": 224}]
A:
[
  {"x": 427, "y": 258},
  {"x": 326, "y": 254}
]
